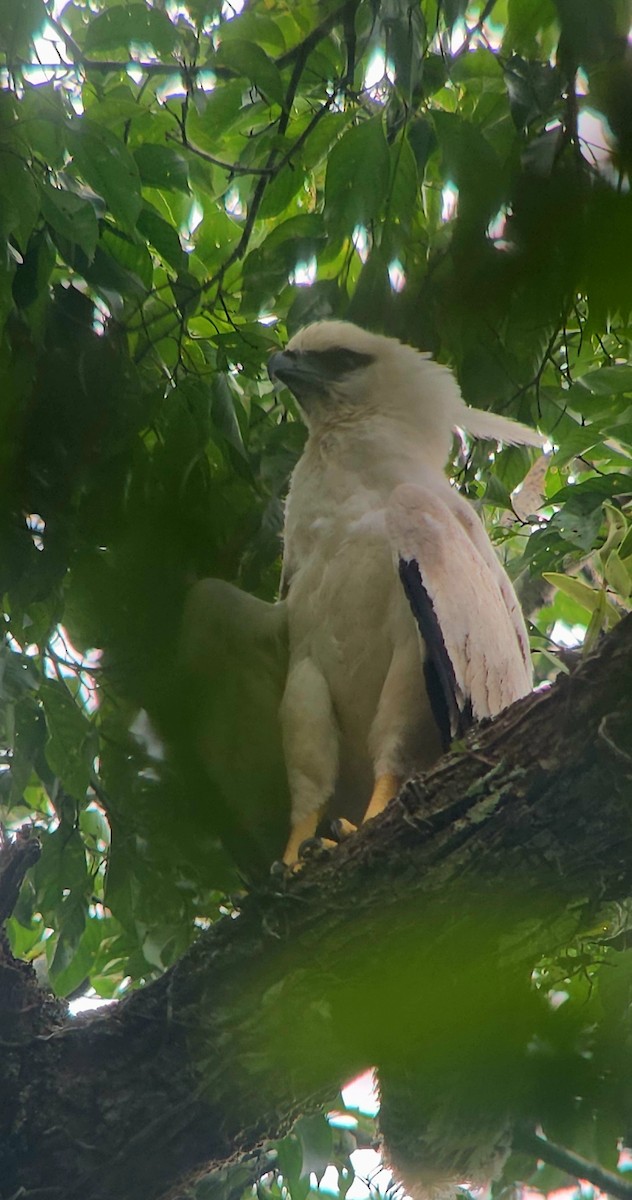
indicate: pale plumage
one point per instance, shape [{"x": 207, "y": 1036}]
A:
[{"x": 403, "y": 626}]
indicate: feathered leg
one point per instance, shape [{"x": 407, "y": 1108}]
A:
[
  {"x": 386, "y": 788},
  {"x": 310, "y": 740}
]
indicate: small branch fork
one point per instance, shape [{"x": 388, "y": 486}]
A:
[
  {"x": 79, "y": 59},
  {"x": 276, "y": 161}
]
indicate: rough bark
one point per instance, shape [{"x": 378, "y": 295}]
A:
[{"x": 499, "y": 856}]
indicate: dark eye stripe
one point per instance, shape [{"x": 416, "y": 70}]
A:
[
  {"x": 312, "y": 373},
  {"x": 338, "y": 361}
]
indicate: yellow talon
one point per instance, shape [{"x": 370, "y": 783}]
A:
[
  {"x": 386, "y": 787},
  {"x": 304, "y": 829},
  {"x": 342, "y": 829}
]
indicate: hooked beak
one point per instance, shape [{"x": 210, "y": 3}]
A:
[
  {"x": 312, "y": 374},
  {"x": 300, "y": 372}
]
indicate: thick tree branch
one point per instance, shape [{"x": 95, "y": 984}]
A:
[{"x": 501, "y": 855}]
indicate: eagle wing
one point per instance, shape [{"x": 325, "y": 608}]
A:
[
  {"x": 476, "y": 658},
  {"x": 233, "y": 661}
]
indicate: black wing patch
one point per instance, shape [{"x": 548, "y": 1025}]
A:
[{"x": 452, "y": 718}]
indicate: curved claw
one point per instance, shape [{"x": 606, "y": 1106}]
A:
[
  {"x": 341, "y": 829},
  {"x": 315, "y": 847},
  {"x": 310, "y": 849}
]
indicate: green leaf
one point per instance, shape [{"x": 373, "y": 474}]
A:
[
  {"x": 282, "y": 189},
  {"x": 162, "y": 236},
  {"x": 118, "y": 27},
  {"x": 588, "y": 598},
  {"x": 70, "y": 745},
  {"x": 496, "y": 493},
  {"x": 223, "y": 413},
  {"x": 404, "y": 25},
  {"x": 186, "y": 291},
  {"x": 357, "y": 179},
  {"x": 316, "y": 1137},
  {"x": 373, "y": 289},
  {"x": 28, "y": 737},
  {"x": 41, "y": 122},
  {"x": 71, "y": 216},
  {"x": 33, "y": 275},
  {"x": 72, "y": 923},
  {"x": 20, "y": 21},
  {"x": 24, "y": 939},
  {"x": 322, "y": 138},
  {"x": 162, "y": 167},
  {"x": 215, "y": 116},
  {"x": 106, "y": 164},
  {"x": 215, "y": 236},
  {"x": 600, "y": 487},
  {"x": 526, "y": 19},
  {"x": 625, "y": 549},
  {"x": 578, "y": 439},
  {"x": 255, "y": 26},
  {"x": 579, "y": 521},
  {"x": 306, "y": 231},
  {"x": 62, "y": 869},
  {"x": 84, "y": 945},
  {"x": 532, "y": 87},
  {"x": 404, "y": 184},
  {"x": 320, "y": 302},
  {"x": 290, "y": 1164},
  {"x": 596, "y": 625},
  {"x": 110, "y": 277},
  {"x": 132, "y": 255},
  {"x": 617, "y": 575},
  {"x": 470, "y": 162},
  {"x": 453, "y": 10},
  {"x": 249, "y": 60},
  {"x": 19, "y": 196},
  {"x": 423, "y": 141},
  {"x": 608, "y": 381}
]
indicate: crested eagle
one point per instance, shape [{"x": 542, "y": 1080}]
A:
[{"x": 397, "y": 624}]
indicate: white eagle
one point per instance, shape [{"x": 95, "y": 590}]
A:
[{"x": 403, "y": 626}]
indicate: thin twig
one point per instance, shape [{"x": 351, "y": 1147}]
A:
[
  {"x": 272, "y": 168},
  {"x": 307, "y": 45},
  {"x": 475, "y": 29},
  {"x": 232, "y": 168}
]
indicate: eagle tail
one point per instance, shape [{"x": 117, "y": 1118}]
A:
[{"x": 499, "y": 429}]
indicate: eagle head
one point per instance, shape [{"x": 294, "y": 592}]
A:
[
  {"x": 345, "y": 377},
  {"x": 340, "y": 373},
  {"x": 325, "y": 364}
]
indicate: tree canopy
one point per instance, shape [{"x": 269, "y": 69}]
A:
[{"x": 181, "y": 187}]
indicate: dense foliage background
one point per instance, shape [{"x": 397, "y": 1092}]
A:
[{"x": 181, "y": 186}]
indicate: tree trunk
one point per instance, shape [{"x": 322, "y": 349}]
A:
[{"x": 371, "y": 956}]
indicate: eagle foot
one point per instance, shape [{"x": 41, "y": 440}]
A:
[
  {"x": 315, "y": 848},
  {"x": 311, "y": 849},
  {"x": 341, "y": 829},
  {"x": 278, "y": 870}
]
